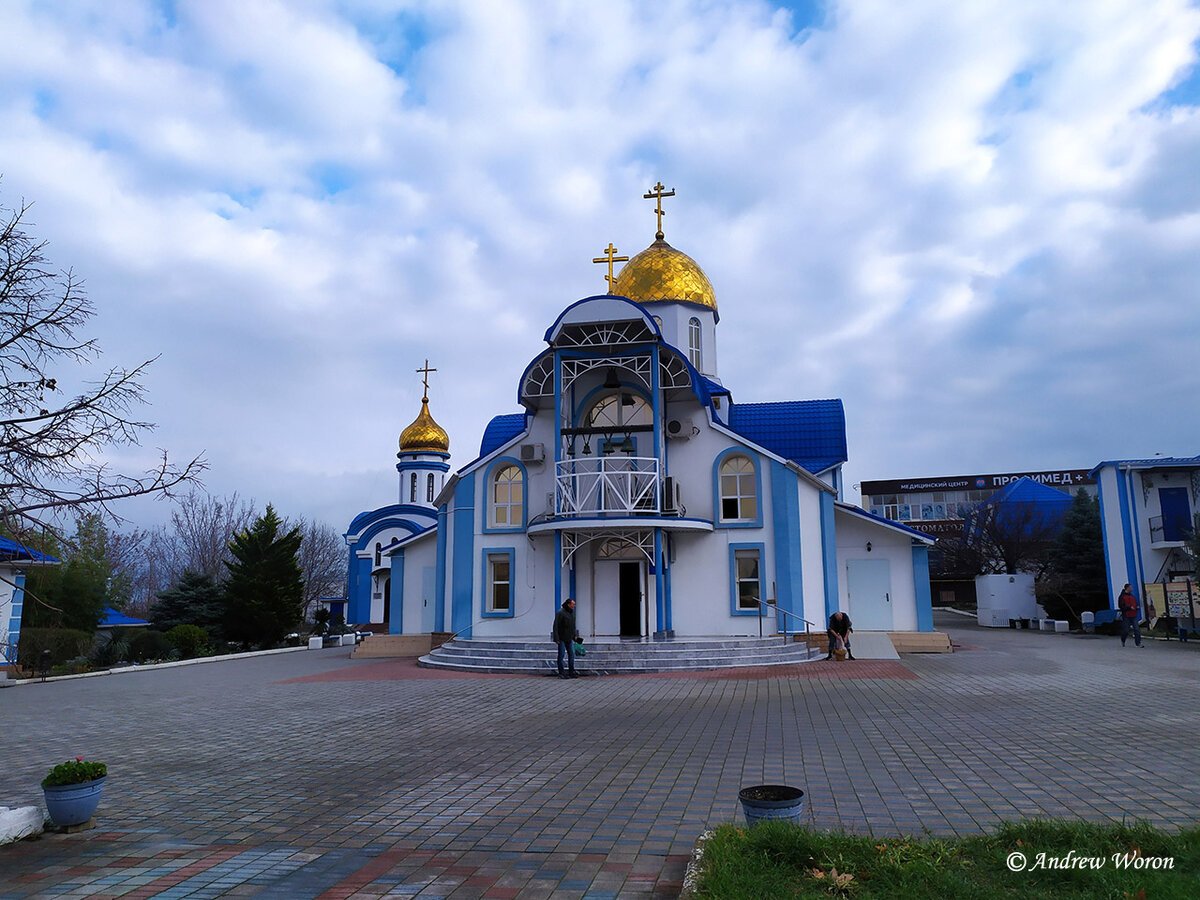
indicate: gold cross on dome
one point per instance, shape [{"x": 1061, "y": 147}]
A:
[
  {"x": 610, "y": 258},
  {"x": 657, "y": 193},
  {"x": 425, "y": 379}
]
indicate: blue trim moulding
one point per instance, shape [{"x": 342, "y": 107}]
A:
[
  {"x": 462, "y": 583},
  {"x": 785, "y": 516},
  {"x": 733, "y": 587},
  {"x": 486, "y": 506},
  {"x": 484, "y": 555},
  {"x": 718, "y": 521}
]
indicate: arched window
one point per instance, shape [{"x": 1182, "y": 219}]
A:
[
  {"x": 412, "y": 488},
  {"x": 378, "y": 554},
  {"x": 694, "y": 342},
  {"x": 620, "y": 408},
  {"x": 507, "y": 498},
  {"x": 429, "y": 489},
  {"x": 738, "y": 485}
]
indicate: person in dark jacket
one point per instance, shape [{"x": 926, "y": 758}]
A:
[
  {"x": 839, "y": 633},
  {"x": 1127, "y": 603},
  {"x": 564, "y": 636}
]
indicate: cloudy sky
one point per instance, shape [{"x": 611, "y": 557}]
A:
[{"x": 977, "y": 223}]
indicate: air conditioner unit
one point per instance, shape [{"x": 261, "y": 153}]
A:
[
  {"x": 671, "y": 504},
  {"x": 533, "y": 453},
  {"x": 680, "y": 429}
]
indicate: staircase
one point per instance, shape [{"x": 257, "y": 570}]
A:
[{"x": 612, "y": 656}]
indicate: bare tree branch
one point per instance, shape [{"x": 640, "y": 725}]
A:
[{"x": 52, "y": 446}]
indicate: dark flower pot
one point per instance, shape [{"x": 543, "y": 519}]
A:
[
  {"x": 73, "y": 804},
  {"x": 771, "y": 801}
]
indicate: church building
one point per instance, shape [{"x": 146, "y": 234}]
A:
[{"x": 631, "y": 480}]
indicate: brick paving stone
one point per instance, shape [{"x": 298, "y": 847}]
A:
[{"x": 313, "y": 775}]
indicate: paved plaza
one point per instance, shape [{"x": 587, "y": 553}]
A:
[{"x": 308, "y": 774}]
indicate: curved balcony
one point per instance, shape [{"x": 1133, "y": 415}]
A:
[{"x": 608, "y": 485}]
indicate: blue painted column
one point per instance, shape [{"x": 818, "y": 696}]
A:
[
  {"x": 829, "y": 554},
  {"x": 920, "y": 558},
  {"x": 462, "y": 586},
  {"x": 662, "y": 614},
  {"x": 396, "y": 607},
  {"x": 785, "y": 521},
  {"x": 439, "y": 588}
]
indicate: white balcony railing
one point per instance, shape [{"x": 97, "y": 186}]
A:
[{"x": 625, "y": 485}]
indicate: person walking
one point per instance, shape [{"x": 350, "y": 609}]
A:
[
  {"x": 1127, "y": 603},
  {"x": 839, "y": 634},
  {"x": 564, "y": 636}
]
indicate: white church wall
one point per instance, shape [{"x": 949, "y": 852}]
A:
[{"x": 853, "y": 534}]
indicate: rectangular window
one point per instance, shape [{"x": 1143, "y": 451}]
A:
[
  {"x": 499, "y": 582},
  {"x": 749, "y": 586}
]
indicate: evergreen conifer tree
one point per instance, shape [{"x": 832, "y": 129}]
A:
[
  {"x": 1076, "y": 579},
  {"x": 265, "y": 590},
  {"x": 196, "y": 599}
]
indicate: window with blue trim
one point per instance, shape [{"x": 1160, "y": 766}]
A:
[
  {"x": 412, "y": 489},
  {"x": 499, "y": 583},
  {"x": 507, "y": 498},
  {"x": 429, "y": 489},
  {"x": 747, "y": 579},
  {"x": 738, "y": 486}
]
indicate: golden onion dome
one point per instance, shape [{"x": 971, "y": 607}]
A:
[
  {"x": 424, "y": 434},
  {"x": 662, "y": 274}
]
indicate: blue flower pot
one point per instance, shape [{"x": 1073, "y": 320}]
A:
[
  {"x": 73, "y": 804},
  {"x": 771, "y": 801}
]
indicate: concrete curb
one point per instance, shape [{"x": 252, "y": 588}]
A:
[{"x": 125, "y": 670}]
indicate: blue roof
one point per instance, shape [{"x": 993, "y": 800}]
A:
[
  {"x": 15, "y": 551},
  {"x": 810, "y": 433},
  {"x": 1026, "y": 490},
  {"x": 500, "y": 431},
  {"x": 114, "y": 619},
  {"x": 1024, "y": 505},
  {"x": 1156, "y": 462}
]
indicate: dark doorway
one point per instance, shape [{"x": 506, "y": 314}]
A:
[
  {"x": 630, "y": 589},
  {"x": 387, "y": 601}
]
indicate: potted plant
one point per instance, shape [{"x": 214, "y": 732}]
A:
[{"x": 72, "y": 790}]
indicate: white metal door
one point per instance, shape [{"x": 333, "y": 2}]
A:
[{"x": 869, "y": 585}]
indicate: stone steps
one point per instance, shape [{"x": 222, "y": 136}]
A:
[{"x": 605, "y": 657}]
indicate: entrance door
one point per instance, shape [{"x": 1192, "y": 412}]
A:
[
  {"x": 869, "y": 585},
  {"x": 1176, "y": 513},
  {"x": 617, "y": 597},
  {"x": 629, "y": 590}
]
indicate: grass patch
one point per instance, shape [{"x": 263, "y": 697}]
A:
[{"x": 783, "y": 860}]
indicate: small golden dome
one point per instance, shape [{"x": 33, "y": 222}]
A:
[
  {"x": 662, "y": 274},
  {"x": 424, "y": 434}
]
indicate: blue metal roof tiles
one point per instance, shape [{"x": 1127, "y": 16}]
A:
[
  {"x": 500, "y": 431},
  {"x": 810, "y": 433}
]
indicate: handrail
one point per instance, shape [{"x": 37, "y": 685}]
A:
[{"x": 763, "y": 604}]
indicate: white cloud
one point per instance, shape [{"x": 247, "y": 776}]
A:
[{"x": 976, "y": 223}]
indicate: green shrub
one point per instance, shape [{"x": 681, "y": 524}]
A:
[
  {"x": 190, "y": 640},
  {"x": 63, "y": 644},
  {"x": 110, "y": 651},
  {"x": 148, "y": 645}
]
